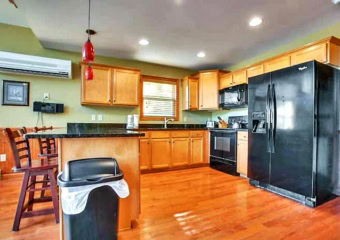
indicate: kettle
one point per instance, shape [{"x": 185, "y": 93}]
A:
[{"x": 236, "y": 125}]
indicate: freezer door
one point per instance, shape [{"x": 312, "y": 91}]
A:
[
  {"x": 258, "y": 143},
  {"x": 293, "y": 124}
]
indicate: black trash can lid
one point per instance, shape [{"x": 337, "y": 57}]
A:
[{"x": 89, "y": 171}]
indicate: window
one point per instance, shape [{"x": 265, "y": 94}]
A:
[{"x": 159, "y": 98}]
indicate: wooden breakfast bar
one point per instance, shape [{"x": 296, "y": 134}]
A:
[{"x": 123, "y": 145}]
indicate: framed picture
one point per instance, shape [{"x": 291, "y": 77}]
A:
[{"x": 15, "y": 93}]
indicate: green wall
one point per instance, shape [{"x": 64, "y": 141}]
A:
[
  {"x": 22, "y": 40},
  {"x": 333, "y": 30}
]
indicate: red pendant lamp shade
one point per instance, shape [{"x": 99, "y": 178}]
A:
[
  {"x": 88, "y": 73},
  {"x": 88, "y": 52}
]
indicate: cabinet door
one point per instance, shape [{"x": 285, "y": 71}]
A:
[
  {"x": 240, "y": 77},
  {"x": 145, "y": 154},
  {"x": 254, "y": 71},
  {"x": 180, "y": 152},
  {"x": 193, "y": 93},
  {"x": 317, "y": 52},
  {"x": 125, "y": 87},
  {"x": 226, "y": 80},
  {"x": 277, "y": 63},
  {"x": 208, "y": 84},
  {"x": 98, "y": 90},
  {"x": 242, "y": 157},
  {"x": 160, "y": 153},
  {"x": 197, "y": 150}
]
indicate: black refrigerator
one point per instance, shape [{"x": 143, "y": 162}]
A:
[{"x": 293, "y": 127}]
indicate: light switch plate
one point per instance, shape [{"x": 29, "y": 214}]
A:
[
  {"x": 100, "y": 117},
  {"x": 185, "y": 119},
  {"x": 2, "y": 157},
  {"x": 46, "y": 96},
  {"x": 93, "y": 117}
]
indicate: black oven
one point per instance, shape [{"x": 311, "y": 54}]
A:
[
  {"x": 223, "y": 150},
  {"x": 234, "y": 97}
]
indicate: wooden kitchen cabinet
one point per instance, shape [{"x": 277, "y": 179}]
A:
[
  {"x": 145, "y": 154},
  {"x": 190, "y": 93},
  {"x": 226, "y": 80},
  {"x": 208, "y": 89},
  {"x": 242, "y": 153},
  {"x": 197, "y": 150},
  {"x": 160, "y": 153},
  {"x": 255, "y": 70},
  {"x": 240, "y": 77},
  {"x": 277, "y": 63},
  {"x": 110, "y": 86},
  {"x": 98, "y": 90},
  {"x": 125, "y": 87},
  {"x": 180, "y": 152}
]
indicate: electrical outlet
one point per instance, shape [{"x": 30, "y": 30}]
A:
[
  {"x": 46, "y": 96},
  {"x": 185, "y": 119},
  {"x": 100, "y": 117},
  {"x": 2, "y": 157},
  {"x": 93, "y": 117}
]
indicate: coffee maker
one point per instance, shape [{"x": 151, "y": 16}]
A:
[{"x": 132, "y": 121}]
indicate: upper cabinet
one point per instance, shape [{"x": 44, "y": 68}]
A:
[
  {"x": 190, "y": 93},
  {"x": 277, "y": 63},
  {"x": 255, "y": 70},
  {"x": 226, "y": 80},
  {"x": 110, "y": 86},
  {"x": 208, "y": 89},
  {"x": 240, "y": 77}
]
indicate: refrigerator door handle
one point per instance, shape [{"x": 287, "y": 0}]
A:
[
  {"x": 268, "y": 119},
  {"x": 273, "y": 118}
]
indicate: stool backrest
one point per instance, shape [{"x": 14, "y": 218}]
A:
[
  {"x": 46, "y": 145},
  {"x": 20, "y": 147}
]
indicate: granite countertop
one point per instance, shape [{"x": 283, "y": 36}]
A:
[{"x": 84, "y": 133}]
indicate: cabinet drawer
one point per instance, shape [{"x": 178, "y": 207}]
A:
[
  {"x": 147, "y": 134},
  {"x": 179, "y": 134},
  {"x": 197, "y": 133},
  {"x": 242, "y": 136},
  {"x": 160, "y": 134}
]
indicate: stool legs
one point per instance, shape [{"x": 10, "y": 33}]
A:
[
  {"x": 54, "y": 193},
  {"x": 45, "y": 178},
  {"x": 31, "y": 194},
  {"x": 21, "y": 202}
]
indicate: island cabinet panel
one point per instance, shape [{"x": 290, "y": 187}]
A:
[
  {"x": 98, "y": 90},
  {"x": 255, "y": 70},
  {"x": 208, "y": 90},
  {"x": 180, "y": 152},
  {"x": 316, "y": 52},
  {"x": 125, "y": 87},
  {"x": 160, "y": 153},
  {"x": 242, "y": 153},
  {"x": 190, "y": 93},
  {"x": 110, "y": 86},
  {"x": 145, "y": 154},
  {"x": 197, "y": 150},
  {"x": 277, "y": 63}
]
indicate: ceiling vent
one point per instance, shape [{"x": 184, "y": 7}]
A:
[
  {"x": 33, "y": 65},
  {"x": 336, "y": 1}
]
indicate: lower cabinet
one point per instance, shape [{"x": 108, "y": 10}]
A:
[
  {"x": 242, "y": 153},
  {"x": 160, "y": 153},
  {"x": 167, "y": 149},
  {"x": 197, "y": 150},
  {"x": 180, "y": 151}
]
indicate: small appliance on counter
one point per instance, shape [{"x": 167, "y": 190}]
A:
[
  {"x": 132, "y": 121},
  {"x": 238, "y": 122},
  {"x": 211, "y": 124}
]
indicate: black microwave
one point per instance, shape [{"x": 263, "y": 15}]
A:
[{"x": 234, "y": 97}]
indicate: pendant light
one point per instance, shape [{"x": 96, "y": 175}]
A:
[
  {"x": 88, "y": 51},
  {"x": 88, "y": 73}
]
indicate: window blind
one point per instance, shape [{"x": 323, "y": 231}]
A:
[{"x": 159, "y": 99}]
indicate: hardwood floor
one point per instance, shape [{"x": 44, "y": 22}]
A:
[{"x": 197, "y": 204}]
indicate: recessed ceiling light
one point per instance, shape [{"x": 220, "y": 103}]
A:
[
  {"x": 144, "y": 42},
  {"x": 201, "y": 54},
  {"x": 255, "y": 21}
]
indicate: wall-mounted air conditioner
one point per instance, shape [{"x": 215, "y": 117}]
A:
[{"x": 33, "y": 65}]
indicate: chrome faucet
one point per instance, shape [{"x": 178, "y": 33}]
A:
[{"x": 166, "y": 122}]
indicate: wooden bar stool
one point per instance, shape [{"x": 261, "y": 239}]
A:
[{"x": 32, "y": 169}]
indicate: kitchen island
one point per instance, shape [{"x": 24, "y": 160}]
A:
[{"x": 123, "y": 145}]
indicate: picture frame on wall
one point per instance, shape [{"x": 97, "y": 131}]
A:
[{"x": 15, "y": 93}]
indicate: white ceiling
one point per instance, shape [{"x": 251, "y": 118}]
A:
[{"x": 176, "y": 29}]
